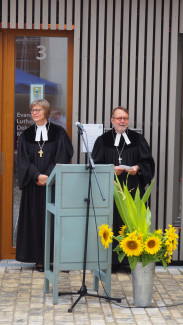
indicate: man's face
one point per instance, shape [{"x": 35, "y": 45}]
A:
[{"x": 120, "y": 121}]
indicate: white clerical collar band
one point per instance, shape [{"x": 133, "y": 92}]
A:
[
  {"x": 127, "y": 140},
  {"x": 41, "y": 129},
  {"x": 118, "y": 137}
]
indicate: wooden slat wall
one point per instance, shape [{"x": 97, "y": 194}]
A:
[
  {"x": 161, "y": 171},
  {"x": 172, "y": 134},
  {"x": 69, "y": 14},
  {"x": 21, "y": 14},
  {"x": 13, "y": 9},
  {"x": 45, "y": 15},
  {"x": 92, "y": 70},
  {"x": 117, "y": 45},
  {"x": 125, "y": 53},
  {"x": 29, "y": 14},
  {"x": 37, "y": 13},
  {"x": 76, "y": 73},
  {"x": 132, "y": 61},
  {"x": 148, "y": 70},
  {"x": 53, "y": 14},
  {"x": 100, "y": 61},
  {"x": 4, "y": 13},
  {"x": 140, "y": 65},
  {"x": 181, "y": 17},
  {"x": 155, "y": 94},
  {"x": 61, "y": 14},
  {"x": 108, "y": 50}
]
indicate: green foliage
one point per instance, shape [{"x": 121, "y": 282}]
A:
[
  {"x": 135, "y": 239},
  {"x": 133, "y": 261},
  {"x": 133, "y": 212}
]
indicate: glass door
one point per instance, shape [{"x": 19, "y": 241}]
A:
[{"x": 41, "y": 66}]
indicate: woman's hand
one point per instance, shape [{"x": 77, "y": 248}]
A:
[{"x": 42, "y": 179}]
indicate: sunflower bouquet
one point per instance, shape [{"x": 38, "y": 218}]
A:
[{"x": 135, "y": 240}]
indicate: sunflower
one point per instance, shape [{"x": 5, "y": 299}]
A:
[
  {"x": 122, "y": 230},
  {"x": 171, "y": 232},
  {"x": 132, "y": 234},
  {"x": 159, "y": 231},
  {"x": 131, "y": 246},
  {"x": 169, "y": 247},
  {"x": 152, "y": 245},
  {"x": 106, "y": 235},
  {"x": 171, "y": 236},
  {"x": 169, "y": 252},
  {"x": 140, "y": 237}
]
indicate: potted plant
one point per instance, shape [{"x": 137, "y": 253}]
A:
[{"x": 135, "y": 240}]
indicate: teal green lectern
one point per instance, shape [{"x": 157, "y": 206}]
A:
[{"x": 68, "y": 209}]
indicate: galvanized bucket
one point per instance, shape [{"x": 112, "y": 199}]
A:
[{"x": 142, "y": 281}]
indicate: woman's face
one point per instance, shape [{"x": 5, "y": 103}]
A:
[{"x": 38, "y": 115}]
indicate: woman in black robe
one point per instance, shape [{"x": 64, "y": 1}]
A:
[
  {"x": 40, "y": 148},
  {"x": 122, "y": 146}
]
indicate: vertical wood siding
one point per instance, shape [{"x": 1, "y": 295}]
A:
[
  {"x": 125, "y": 53},
  {"x": 181, "y": 17}
]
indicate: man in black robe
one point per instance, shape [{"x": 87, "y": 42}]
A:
[
  {"x": 124, "y": 148},
  {"x": 40, "y": 148}
]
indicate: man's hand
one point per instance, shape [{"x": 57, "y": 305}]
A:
[
  {"x": 42, "y": 179},
  {"x": 118, "y": 170},
  {"x": 134, "y": 170}
]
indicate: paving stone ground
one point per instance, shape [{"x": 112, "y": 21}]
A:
[{"x": 23, "y": 301}]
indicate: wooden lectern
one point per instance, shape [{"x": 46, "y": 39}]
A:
[{"x": 68, "y": 210}]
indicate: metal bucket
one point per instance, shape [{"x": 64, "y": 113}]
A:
[{"x": 142, "y": 281}]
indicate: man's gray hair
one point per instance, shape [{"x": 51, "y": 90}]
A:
[{"x": 119, "y": 107}]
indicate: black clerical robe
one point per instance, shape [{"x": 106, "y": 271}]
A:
[
  {"x": 31, "y": 223},
  {"x": 135, "y": 153}
]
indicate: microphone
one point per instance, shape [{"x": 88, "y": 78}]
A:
[{"x": 79, "y": 125}]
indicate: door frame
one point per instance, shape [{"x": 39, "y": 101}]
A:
[{"x": 7, "y": 78}]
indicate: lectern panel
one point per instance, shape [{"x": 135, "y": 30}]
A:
[
  {"x": 70, "y": 208},
  {"x": 72, "y": 232},
  {"x": 74, "y": 189}
]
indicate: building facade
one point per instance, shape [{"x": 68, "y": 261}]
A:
[{"x": 94, "y": 55}]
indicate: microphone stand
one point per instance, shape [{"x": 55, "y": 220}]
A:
[{"x": 83, "y": 290}]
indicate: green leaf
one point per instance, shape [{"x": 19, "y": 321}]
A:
[
  {"x": 148, "y": 219},
  {"x": 122, "y": 208},
  {"x": 118, "y": 238},
  {"x": 147, "y": 258},
  {"x": 164, "y": 263},
  {"x": 133, "y": 261},
  {"x": 147, "y": 192},
  {"x": 143, "y": 223},
  {"x": 131, "y": 207},
  {"x": 138, "y": 203},
  {"x": 121, "y": 257},
  {"x": 117, "y": 249},
  {"x": 133, "y": 212}
]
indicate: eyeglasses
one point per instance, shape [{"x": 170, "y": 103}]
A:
[
  {"x": 121, "y": 118},
  {"x": 36, "y": 110}
]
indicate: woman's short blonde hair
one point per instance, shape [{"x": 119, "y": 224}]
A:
[{"x": 44, "y": 104}]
